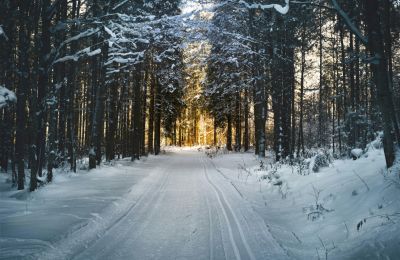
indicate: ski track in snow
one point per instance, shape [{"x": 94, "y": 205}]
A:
[
  {"x": 248, "y": 225},
  {"x": 154, "y": 196},
  {"x": 229, "y": 216}
]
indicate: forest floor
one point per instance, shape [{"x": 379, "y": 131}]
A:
[{"x": 185, "y": 205}]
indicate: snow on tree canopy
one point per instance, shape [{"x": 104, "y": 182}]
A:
[{"x": 6, "y": 97}]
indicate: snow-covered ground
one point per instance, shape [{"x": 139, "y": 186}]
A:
[
  {"x": 349, "y": 210},
  {"x": 33, "y": 222},
  {"x": 184, "y": 205}
]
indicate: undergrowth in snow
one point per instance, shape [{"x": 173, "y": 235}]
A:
[{"x": 348, "y": 209}]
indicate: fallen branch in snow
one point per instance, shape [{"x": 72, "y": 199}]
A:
[
  {"x": 388, "y": 217},
  {"x": 347, "y": 229},
  {"x": 298, "y": 239},
  {"x": 365, "y": 183},
  {"x": 327, "y": 250}
]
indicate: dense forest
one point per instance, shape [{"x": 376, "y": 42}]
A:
[{"x": 108, "y": 79}]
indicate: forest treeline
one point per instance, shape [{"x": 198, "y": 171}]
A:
[
  {"x": 324, "y": 75},
  {"x": 83, "y": 72},
  {"x": 106, "y": 79}
]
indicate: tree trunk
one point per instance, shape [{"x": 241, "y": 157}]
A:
[
  {"x": 246, "y": 121},
  {"x": 137, "y": 114},
  {"x": 113, "y": 113},
  {"x": 215, "y": 132},
  {"x": 300, "y": 141},
  {"x": 260, "y": 113},
  {"x": 150, "y": 145},
  {"x": 22, "y": 92},
  {"x": 229, "y": 133},
  {"x": 157, "y": 118},
  {"x": 144, "y": 109},
  {"x": 321, "y": 85},
  {"x": 380, "y": 76},
  {"x": 95, "y": 153},
  {"x": 8, "y": 50},
  {"x": 238, "y": 123}
]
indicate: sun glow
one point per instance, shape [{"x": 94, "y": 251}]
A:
[{"x": 195, "y": 126}]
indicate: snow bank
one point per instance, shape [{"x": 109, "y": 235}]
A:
[{"x": 356, "y": 153}]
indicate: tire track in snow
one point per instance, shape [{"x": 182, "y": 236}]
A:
[{"x": 229, "y": 215}]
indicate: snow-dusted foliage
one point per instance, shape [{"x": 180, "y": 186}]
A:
[
  {"x": 319, "y": 161},
  {"x": 6, "y": 97},
  {"x": 231, "y": 60}
]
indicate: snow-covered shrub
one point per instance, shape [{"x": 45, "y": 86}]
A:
[
  {"x": 313, "y": 160},
  {"x": 303, "y": 166},
  {"x": 322, "y": 159},
  {"x": 272, "y": 177}
]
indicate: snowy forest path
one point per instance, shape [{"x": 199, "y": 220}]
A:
[{"x": 184, "y": 209}]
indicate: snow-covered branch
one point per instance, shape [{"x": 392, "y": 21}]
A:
[
  {"x": 279, "y": 8},
  {"x": 349, "y": 22},
  {"x": 2, "y": 33},
  {"x": 78, "y": 55},
  {"x": 120, "y": 4},
  {"x": 6, "y": 97}
]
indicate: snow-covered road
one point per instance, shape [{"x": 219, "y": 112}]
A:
[
  {"x": 183, "y": 205},
  {"x": 184, "y": 209}
]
